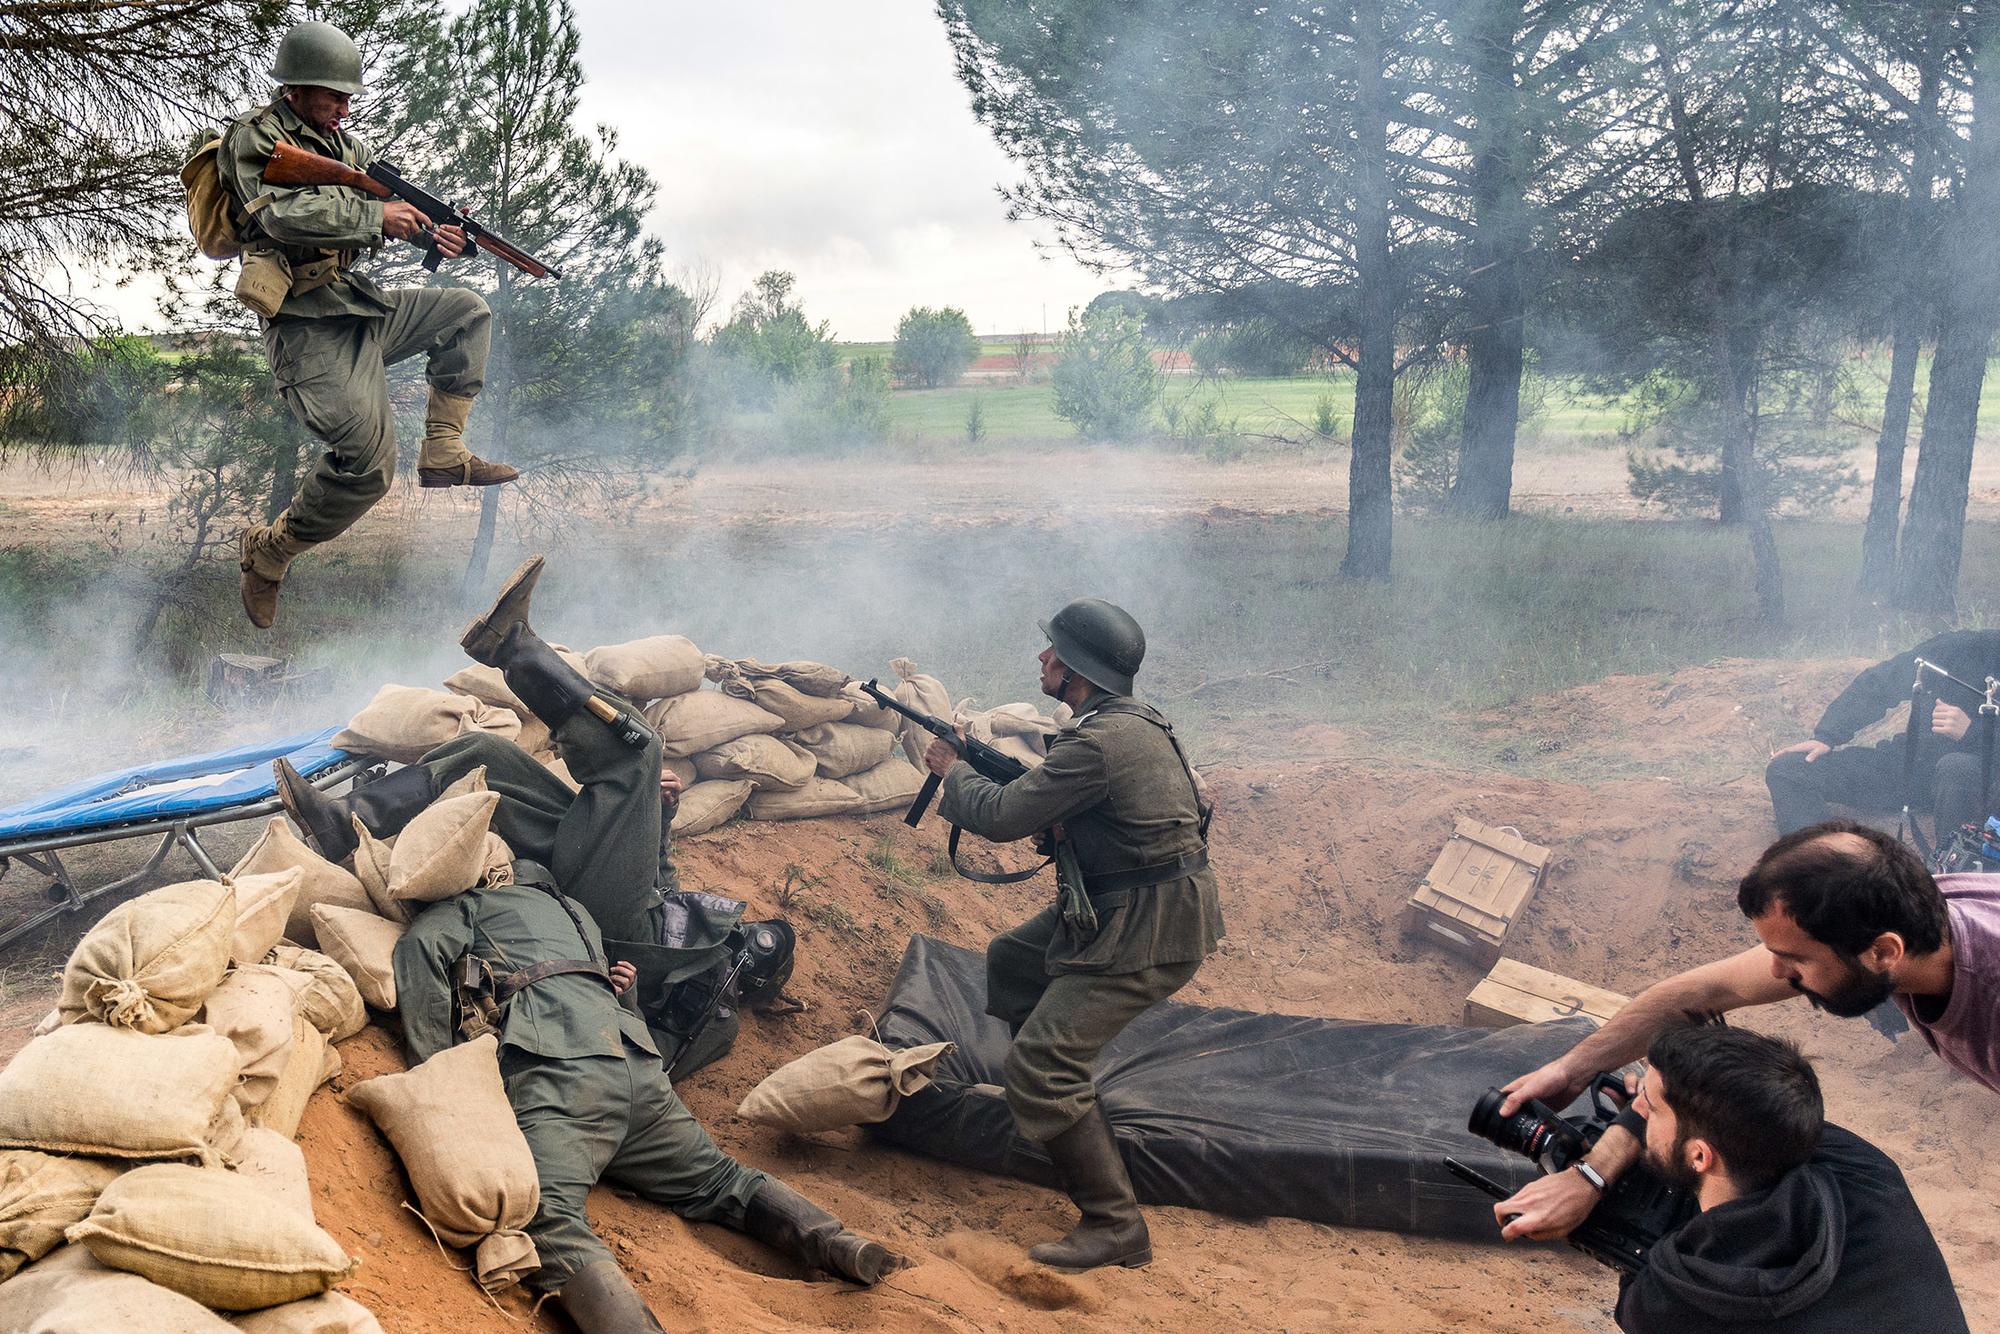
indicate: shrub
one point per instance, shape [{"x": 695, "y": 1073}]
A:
[
  {"x": 975, "y": 422},
  {"x": 933, "y": 347},
  {"x": 837, "y": 408},
  {"x": 1104, "y": 378}
]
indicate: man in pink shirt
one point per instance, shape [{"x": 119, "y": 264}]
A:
[{"x": 1848, "y": 917}]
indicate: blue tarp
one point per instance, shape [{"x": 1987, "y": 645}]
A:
[{"x": 163, "y": 790}]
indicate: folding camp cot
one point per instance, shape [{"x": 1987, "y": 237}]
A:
[{"x": 173, "y": 799}]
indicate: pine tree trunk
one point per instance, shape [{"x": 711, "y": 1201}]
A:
[
  {"x": 1927, "y": 568},
  {"x": 1370, "y": 499}
]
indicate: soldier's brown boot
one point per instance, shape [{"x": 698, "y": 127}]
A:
[
  {"x": 601, "y": 1300},
  {"x": 264, "y": 554},
  {"x": 482, "y": 639},
  {"x": 444, "y": 460},
  {"x": 1113, "y": 1231},
  {"x": 787, "y": 1221},
  {"x": 383, "y": 807}
]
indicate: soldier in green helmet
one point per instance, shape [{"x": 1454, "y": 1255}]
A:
[
  {"x": 329, "y": 332},
  {"x": 1118, "y": 789}
]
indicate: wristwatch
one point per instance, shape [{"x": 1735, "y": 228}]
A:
[{"x": 1590, "y": 1174}]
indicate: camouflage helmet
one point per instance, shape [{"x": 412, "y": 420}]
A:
[
  {"x": 318, "y": 55},
  {"x": 1099, "y": 642}
]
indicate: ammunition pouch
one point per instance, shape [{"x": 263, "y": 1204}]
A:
[{"x": 317, "y": 273}]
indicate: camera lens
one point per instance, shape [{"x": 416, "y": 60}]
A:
[{"x": 1523, "y": 1133}]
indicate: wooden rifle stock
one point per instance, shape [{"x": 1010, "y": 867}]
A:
[{"x": 290, "y": 165}]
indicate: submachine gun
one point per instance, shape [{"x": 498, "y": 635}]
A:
[{"x": 1976, "y": 847}]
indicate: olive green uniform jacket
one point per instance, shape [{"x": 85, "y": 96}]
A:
[{"x": 1116, "y": 784}]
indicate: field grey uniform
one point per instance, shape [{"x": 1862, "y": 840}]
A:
[{"x": 1116, "y": 783}]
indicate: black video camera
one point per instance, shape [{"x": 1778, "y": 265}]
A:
[{"x": 1637, "y": 1209}]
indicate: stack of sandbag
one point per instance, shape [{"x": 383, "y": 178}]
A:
[
  {"x": 402, "y": 722},
  {"x": 1017, "y": 730},
  {"x": 489, "y": 687},
  {"x": 182, "y": 1024}
]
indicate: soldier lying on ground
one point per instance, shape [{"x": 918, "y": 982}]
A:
[{"x": 582, "y": 1072}]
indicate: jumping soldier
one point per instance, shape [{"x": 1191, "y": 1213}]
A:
[
  {"x": 528, "y": 960},
  {"x": 329, "y": 332},
  {"x": 1118, "y": 791}
]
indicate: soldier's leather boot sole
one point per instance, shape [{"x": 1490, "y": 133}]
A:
[
  {"x": 475, "y": 471},
  {"x": 601, "y": 1300},
  {"x": 260, "y": 594},
  {"x": 482, "y": 638},
  {"x": 1113, "y": 1231}
]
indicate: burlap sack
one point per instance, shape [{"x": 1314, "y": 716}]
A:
[
  {"x": 90, "y": 1088},
  {"x": 474, "y": 780},
  {"x": 71, "y": 1293},
  {"x": 443, "y": 851},
  {"x": 328, "y": 1313},
  {"x": 682, "y": 769},
  {"x": 496, "y": 861},
  {"x": 808, "y": 678},
  {"x": 402, "y": 722},
  {"x": 41, "y": 1194},
  {"x": 263, "y": 906},
  {"x": 364, "y": 945},
  {"x": 50, "y": 1023},
  {"x": 373, "y": 858},
  {"x": 923, "y": 693},
  {"x": 254, "y": 1008},
  {"x": 820, "y": 796},
  {"x": 276, "y": 1163},
  {"x": 475, "y": 1178},
  {"x": 840, "y": 749},
  {"x": 556, "y": 765},
  {"x": 490, "y": 686},
  {"x": 150, "y": 963},
  {"x": 767, "y": 761},
  {"x": 222, "y": 1239},
  {"x": 1023, "y": 720},
  {"x": 652, "y": 668},
  {"x": 888, "y": 786},
  {"x": 328, "y": 1000},
  {"x": 706, "y": 805},
  {"x": 305, "y": 1070},
  {"x": 802, "y": 693},
  {"x": 855, "y": 1081},
  {"x": 867, "y": 713},
  {"x": 704, "y": 719},
  {"x": 320, "y": 881}
]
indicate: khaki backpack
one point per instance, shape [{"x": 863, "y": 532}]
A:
[{"x": 213, "y": 215}]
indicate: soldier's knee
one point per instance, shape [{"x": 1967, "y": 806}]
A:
[
  {"x": 1787, "y": 771},
  {"x": 1955, "y": 772}
]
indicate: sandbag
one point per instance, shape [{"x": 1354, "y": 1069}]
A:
[
  {"x": 363, "y": 944},
  {"x": 254, "y": 1008},
  {"x": 220, "y": 1238},
  {"x": 329, "y": 1000},
  {"x": 115, "y": 1093},
  {"x": 496, "y": 861},
  {"x": 473, "y": 780},
  {"x": 1022, "y": 720},
  {"x": 767, "y": 761},
  {"x": 704, "y": 719},
  {"x": 276, "y": 1163},
  {"x": 328, "y": 1313},
  {"x": 866, "y": 712},
  {"x": 263, "y": 906},
  {"x": 888, "y": 786},
  {"x": 556, "y": 765},
  {"x": 150, "y": 963},
  {"x": 820, "y": 796},
  {"x": 926, "y": 694},
  {"x": 707, "y": 805},
  {"x": 652, "y": 668},
  {"x": 682, "y": 769},
  {"x": 402, "y": 722},
  {"x": 443, "y": 851},
  {"x": 373, "y": 858},
  {"x": 467, "y": 1159},
  {"x": 306, "y": 1069},
  {"x": 840, "y": 749},
  {"x": 320, "y": 881},
  {"x": 795, "y": 706},
  {"x": 855, "y": 1081},
  {"x": 71, "y": 1293},
  {"x": 489, "y": 685},
  {"x": 41, "y": 1195}
]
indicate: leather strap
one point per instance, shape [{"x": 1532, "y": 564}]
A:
[
  {"x": 988, "y": 877},
  {"x": 1145, "y": 877},
  {"x": 506, "y": 988}
]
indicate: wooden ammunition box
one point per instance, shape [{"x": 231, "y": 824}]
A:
[
  {"x": 1478, "y": 887},
  {"x": 1517, "y": 993}
]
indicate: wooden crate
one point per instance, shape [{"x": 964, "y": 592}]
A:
[
  {"x": 1518, "y": 993},
  {"x": 1477, "y": 888}
]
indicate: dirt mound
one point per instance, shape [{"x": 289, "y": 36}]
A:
[{"x": 1316, "y": 861}]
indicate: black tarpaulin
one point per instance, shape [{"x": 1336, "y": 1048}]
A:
[{"x": 1241, "y": 1113}]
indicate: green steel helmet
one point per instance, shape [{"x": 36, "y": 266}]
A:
[
  {"x": 1099, "y": 642},
  {"x": 318, "y": 55}
]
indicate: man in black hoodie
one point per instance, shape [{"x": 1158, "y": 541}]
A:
[
  {"x": 1808, "y": 777},
  {"x": 1803, "y": 1226}
]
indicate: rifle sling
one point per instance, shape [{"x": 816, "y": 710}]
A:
[
  {"x": 988, "y": 877},
  {"x": 506, "y": 988}
]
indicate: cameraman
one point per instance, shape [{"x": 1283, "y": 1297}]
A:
[
  {"x": 1803, "y": 1226},
  {"x": 1848, "y": 917}
]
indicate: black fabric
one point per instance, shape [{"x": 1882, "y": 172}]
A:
[
  {"x": 1969, "y": 655},
  {"x": 1241, "y": 1113},
  {"x": 1837, "y": 1245}
]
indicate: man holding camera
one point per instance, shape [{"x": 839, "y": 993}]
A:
[
  {"x": 1803, "y": 1226},
  {"x": 1848, "y": 917}
]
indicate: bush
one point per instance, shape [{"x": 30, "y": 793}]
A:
[
  {"x": 768, "y": 343},
  {"x": 1104, "y": 378},
  {"x": 837, "y": 408},
  {"x": 975, "y": 421},
  {"x": 1430, "y": 419},
  {"x": 1801, "y": 451},
  {"x": 933, "y": 347}
]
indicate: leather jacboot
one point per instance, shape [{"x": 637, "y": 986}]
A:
[
  {"x": 264, "y": 554},
  {"x": 481, "y": 639},
  {"x": 552, "y": 689},
  {"x": 444, "y": 460},
  {"x": 601, "y": 1300},
  {"x": 1113, "y": 1232},
  {"x": 383, "y": 807},
  {"x": 788, "y": 1222}
]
